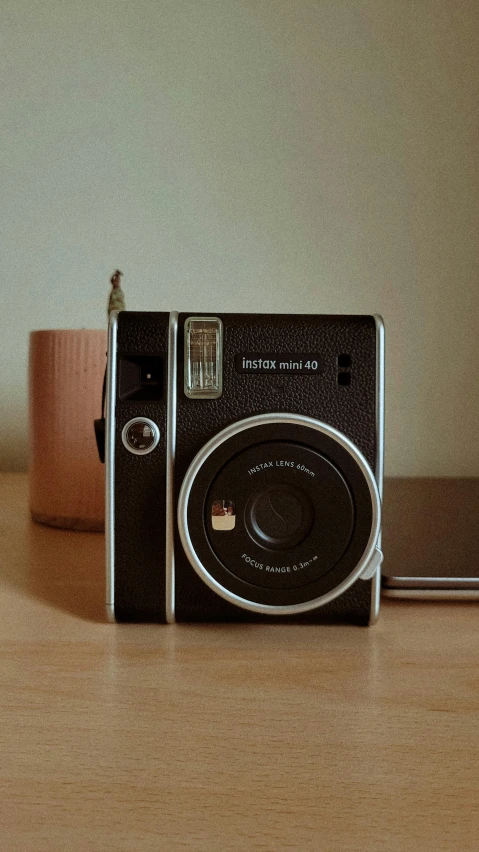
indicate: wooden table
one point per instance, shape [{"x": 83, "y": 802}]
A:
[{"x": 224, "y": 737}]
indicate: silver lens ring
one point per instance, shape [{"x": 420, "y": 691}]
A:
[{"x": 226, "y": 434}]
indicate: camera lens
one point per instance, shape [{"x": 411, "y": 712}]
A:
[
  {"x": 294, "y": 515},
  {"x": 140, "y": 435},
  {"x": 279, "y": 517}
]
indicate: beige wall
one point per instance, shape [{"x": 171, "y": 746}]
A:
[{"x": 262, "y": 156}]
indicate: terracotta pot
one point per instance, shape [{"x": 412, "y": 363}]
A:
[{"x": 65, "y": 382}]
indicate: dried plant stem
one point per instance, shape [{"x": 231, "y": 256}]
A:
[{"x": 116, "y": 301}]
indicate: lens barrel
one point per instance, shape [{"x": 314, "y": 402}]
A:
[{"x": 294, "y": 515}]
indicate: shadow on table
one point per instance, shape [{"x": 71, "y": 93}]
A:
[
  {"x": 68, "y": 569},
  {"x": 65, "y": 569}
]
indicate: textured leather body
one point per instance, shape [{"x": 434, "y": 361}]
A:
[
  {"x": 140, "y": 507},
  {"x": 351, "y": 409},
  {"x": 140, "y": 499}
]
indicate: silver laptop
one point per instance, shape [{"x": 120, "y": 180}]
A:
[{"x": 431, "y": 538}]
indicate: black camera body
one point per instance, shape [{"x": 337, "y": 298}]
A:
[{"x": 244, "y": 461}]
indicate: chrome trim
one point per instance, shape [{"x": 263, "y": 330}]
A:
[
  {"x": 170, "y": 462},
  {"x": 224, "y": 435},
  {"x": 110, "y": 396},
  {"x": 380, "y": 380},
  {"x": 379, "y": 466},
  {"x": 154, "y": 428}
]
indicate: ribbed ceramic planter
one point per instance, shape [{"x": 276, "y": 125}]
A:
[{"x": 65, "y": 384}]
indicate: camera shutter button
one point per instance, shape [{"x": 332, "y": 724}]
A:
[{"x": 372, "y": 566}]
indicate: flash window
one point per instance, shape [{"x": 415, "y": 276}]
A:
[{"x": 203, "y": 357}]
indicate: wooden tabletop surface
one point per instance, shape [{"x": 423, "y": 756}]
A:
[{"x": 218, "y": 738}]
